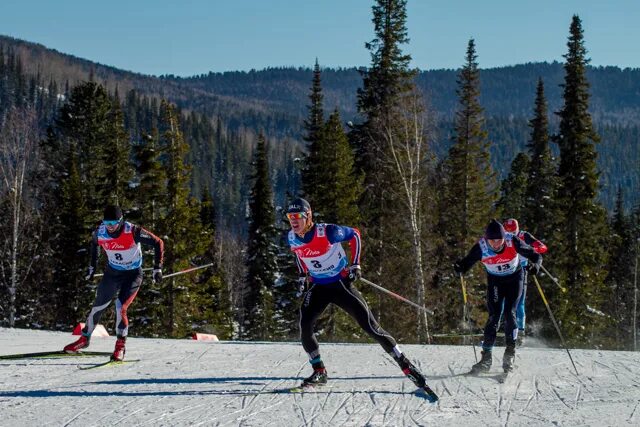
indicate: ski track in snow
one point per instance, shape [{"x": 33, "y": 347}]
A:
[{"x": 184, "y": 382}]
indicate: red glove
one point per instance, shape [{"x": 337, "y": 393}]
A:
[{"x": 539, "y": 247}]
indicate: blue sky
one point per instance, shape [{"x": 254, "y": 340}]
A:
[{"x": 197, "y": 36}]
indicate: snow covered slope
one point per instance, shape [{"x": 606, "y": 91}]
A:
[{"x": 182, "y": 382}]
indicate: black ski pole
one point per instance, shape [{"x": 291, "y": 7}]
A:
[
  {"x": 393, "y": 294},
  {"x": 553, "y": 319}
]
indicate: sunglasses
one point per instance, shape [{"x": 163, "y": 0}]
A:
[
  {"x": 111, "y": 222},
  {"x": 296, "y": 215}
]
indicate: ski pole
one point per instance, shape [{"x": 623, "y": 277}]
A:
[
  {"x": 553, "y": 279},
  {"x": 393, "y": 294},
  {"x": 188, "y": 270},
  {"x": 102, "y": 274},
  {"x": 465, "y": 313},
  {"x": 553, "y": 319}
]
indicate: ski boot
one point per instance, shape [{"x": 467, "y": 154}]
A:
[
  {"x": 520, "y": 339},
  {"x": 76, "y": 346},
  {"x": 411, "y": 371},
  {"x": 318, "y": 378},
  {"x": 509, "y": 357},
  {"x": 118, "y": 352},
  {"x": 484, "y": 365},
  {"x": 416, "y": 377}
]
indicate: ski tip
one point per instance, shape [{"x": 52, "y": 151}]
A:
[{"x": 429, "y": 395}]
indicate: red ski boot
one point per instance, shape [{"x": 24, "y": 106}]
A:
[
  {"x": 118, "y": 353},
  {"x": 76, "y": 346}
]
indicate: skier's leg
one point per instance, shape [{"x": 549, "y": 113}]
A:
[
  {"x": 314, "y": 302},
  {"x": 106, "y": 291},
  {"x": 128, "y": 291},
  {"x": 521, "y": 316},
  {"x": 511, "y": 292},
  {"x": 494, "y": 307},
  {"x": 350, "y": 300}
]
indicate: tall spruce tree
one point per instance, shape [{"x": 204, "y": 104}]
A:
[
  {"x": 539, "y": 216},
  {"x": 182, "y": 229},
  {"x": 214, "y": 313},
  {"x": 72, "y": 292},
  {"x": 313, "y": 126},
  {"x": 334, "y": 196},
  {"x": 261, "y": 251},
  {"x": 385, "y": 83},
  {"x": 581, "y": 237},
  {"x": 619, "y": 304},
  {"x": 470, "y": 183},
  {"x": 513, "y": 189}
]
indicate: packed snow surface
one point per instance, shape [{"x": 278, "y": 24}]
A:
[{"x": 184, "y": 382}]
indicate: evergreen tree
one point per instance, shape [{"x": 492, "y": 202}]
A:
[
  {"x": 385, "y": 84},
  {"x": 619, "y": 282},
  {"x": 582, "y": 231},
  {"x": 261, "y": 251},
  {"x": 117, "y": 152},
  {"x": 469, "y": 182},
  {"x": 313, "y": 126},
  {"x": 539, "y": 216},
  {"x": 72, "y": 294},
  {"x": 334, "y": 199},
  {"x": 184, "y": 236},
  {"x": 86, "y": 120},
  {"x": 513, "y": 189},
  {"x": 214, "y": 313}
]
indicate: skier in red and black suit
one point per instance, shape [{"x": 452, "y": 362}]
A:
[
  {"x": 511, "y": 226},
  {"x": 500, "y": 253},
  {"x": 121, "y": 242},
  {"x": 323, "y": 266}
]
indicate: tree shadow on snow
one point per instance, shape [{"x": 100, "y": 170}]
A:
[
  {"x": 86, "y": 393},
  {"x": 239, "y": 380}
]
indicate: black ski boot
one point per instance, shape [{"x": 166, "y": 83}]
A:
[
  {"x": 484, "y": 365},
  {"x": 411, "y": 371},
  {"x": 509, "y": 357},
  {"x": 318, "y": 378}
]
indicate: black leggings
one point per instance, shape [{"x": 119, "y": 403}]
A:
[
  {"x": 345, "y": 296},
  {"x": 507, "y": 291},
  {"x": 124, "y": 283}
]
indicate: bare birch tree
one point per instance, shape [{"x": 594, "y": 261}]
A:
[
  {"x": 406, "y": 137},
  {"x": 18, "y": 151}
]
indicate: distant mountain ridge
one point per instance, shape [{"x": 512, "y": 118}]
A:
[{"x": 275, "y": 100}]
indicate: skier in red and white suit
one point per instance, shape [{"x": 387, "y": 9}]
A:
[
  {"x": 121, "y": 241},
  {"x": 323, "y": 266},
  {"x": 500, "y": 253}
]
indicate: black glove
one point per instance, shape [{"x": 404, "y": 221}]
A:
[
  {"x": 355, "y": 272},
  {"x": 535, "y": 268},
  {"x": 457, "y": 267},
  {"x": 90, "y": 273},
  {"x": 302, "y": 286},
  {"x": 157, "y": 275}
]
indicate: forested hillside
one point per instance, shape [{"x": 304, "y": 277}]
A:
[
  {"x": 419, "y": 161},
  {"x": 275, "y": 100}
]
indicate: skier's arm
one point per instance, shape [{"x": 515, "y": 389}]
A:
[
  {"x": 302, "y": 268},
  {"x": 93, "y": 250},
  {"x": 536, "y": 244},
  {"x": 527, "y": 251},
  {"x": 140, "y": 235},
  {"x": 341, "y": 233},
  {"x": 463, "y": 265}
]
